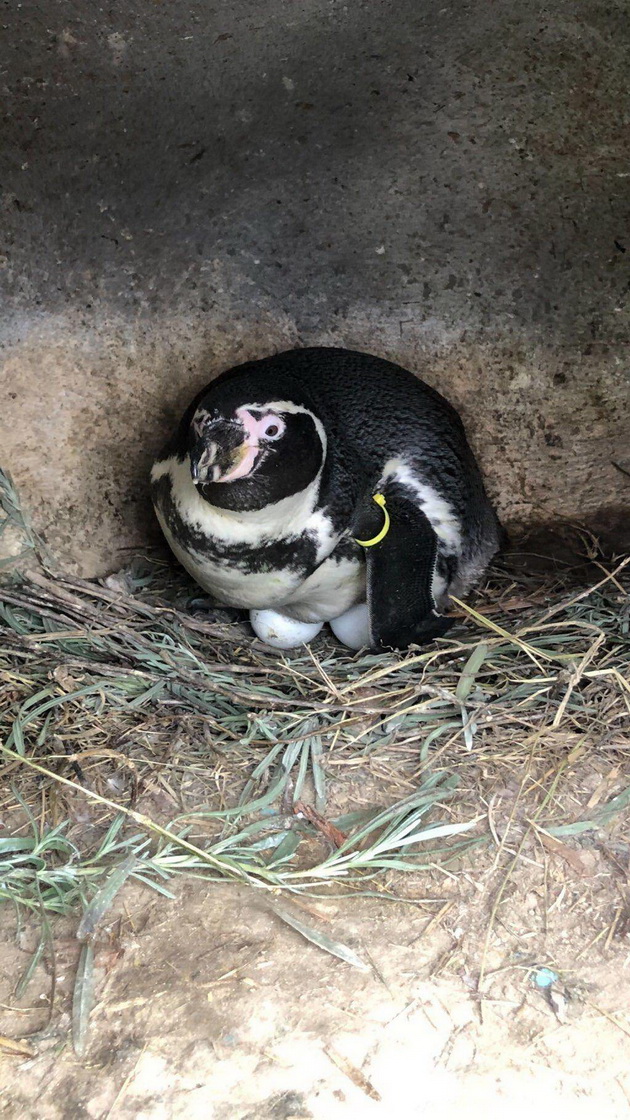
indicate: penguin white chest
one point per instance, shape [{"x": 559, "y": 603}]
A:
[
  {"x": 230, "y": 584},
  {"x": 258, "y": 560},
  {"x": 329, "y": 591},
  {"x": 326, "y": 593}
]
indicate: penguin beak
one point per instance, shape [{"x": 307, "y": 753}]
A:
[
  {"x": 223, "y": 454},
  {"x": 199, "y": 463}
]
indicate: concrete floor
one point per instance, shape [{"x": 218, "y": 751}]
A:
[{"x": 185, "y": 185}]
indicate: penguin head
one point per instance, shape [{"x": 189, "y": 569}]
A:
[{"x": 247, "y": 456}]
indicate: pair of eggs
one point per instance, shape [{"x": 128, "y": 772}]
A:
[{"x": 352, "y": 628}]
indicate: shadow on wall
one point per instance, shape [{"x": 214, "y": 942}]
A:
[{"x": 463, "y": 164}]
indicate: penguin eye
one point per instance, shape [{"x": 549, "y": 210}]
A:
[{"x": 272, "y": 429}]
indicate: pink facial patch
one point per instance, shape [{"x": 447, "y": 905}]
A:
[{"x": 269, "y": 426}]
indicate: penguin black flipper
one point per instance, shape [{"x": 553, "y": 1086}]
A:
[{"x": 400, "y": 572}]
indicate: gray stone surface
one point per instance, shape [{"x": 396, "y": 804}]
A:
[{"x": 185, "y": 185}]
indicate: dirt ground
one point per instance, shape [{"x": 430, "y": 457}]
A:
[{"x": 211, "y": 1006}]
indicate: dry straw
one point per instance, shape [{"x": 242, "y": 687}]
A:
[{"x": 142, "y": 738}]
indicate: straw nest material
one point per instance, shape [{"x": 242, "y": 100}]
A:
[{"x": 144, "y": 734}]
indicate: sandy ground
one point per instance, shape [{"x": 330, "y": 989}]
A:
[{"x": 211, "y": 1006}]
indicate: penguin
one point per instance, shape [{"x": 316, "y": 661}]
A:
[{"x": 324, "y": 485}]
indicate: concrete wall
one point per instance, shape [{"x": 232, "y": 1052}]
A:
[{"x": 187, "y": 185}]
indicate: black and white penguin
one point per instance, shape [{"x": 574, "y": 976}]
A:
[{"x": 325, "y": 485}]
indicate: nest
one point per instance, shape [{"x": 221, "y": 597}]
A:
[{"x": 145, "y": 734}]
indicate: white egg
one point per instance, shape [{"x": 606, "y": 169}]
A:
[
  {"x": 353, "y": 627},
  {"x": 282, "y": 632}
]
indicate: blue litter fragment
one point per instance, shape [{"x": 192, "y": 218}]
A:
[{"x": 545, "y": 977}]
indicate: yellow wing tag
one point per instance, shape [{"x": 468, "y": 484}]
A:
[{"x": 380, "y": 501}]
